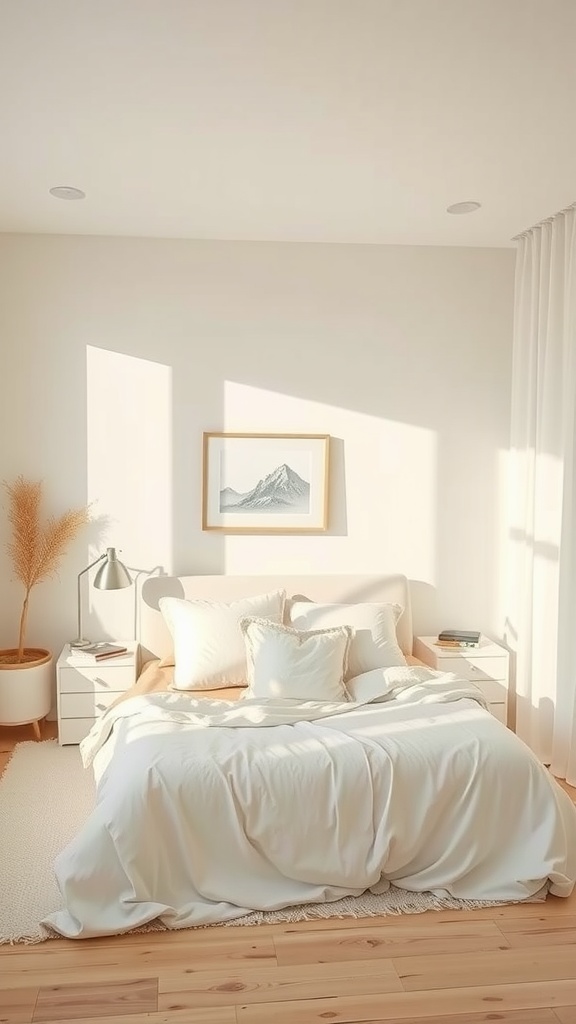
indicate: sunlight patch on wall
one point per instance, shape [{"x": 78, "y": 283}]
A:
[
  {"x": 503, "y": 614},
  {"x": 383, "y": 490},
  {"x": 532, "y": 534},
  {"x": 531, "y": 559},
  {"x": 129, "y": 472}
]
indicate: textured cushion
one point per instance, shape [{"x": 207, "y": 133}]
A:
[
  {"x": 374, "y": 644},
  {"x": 209, "y": 651},
  {"x": 290, "y": 663}
]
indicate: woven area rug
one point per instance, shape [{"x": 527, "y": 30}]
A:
[{"x": 45, "y": 797}]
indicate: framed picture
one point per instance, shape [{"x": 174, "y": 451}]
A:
[{"x": 265, "y": 483}]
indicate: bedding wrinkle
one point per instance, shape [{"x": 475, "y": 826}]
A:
[
  {"x": 312, "y": 831},
  {"x": 207, "y": 809},
  {"x": 145, "y": 874},
  {"x": 187, "y": 850}
]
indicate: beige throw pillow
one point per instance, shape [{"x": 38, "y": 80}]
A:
[{"x": 209, "y": 651}]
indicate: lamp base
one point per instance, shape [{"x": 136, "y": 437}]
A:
[{"x": 79, "y": 642}]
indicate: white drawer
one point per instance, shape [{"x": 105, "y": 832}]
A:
[
  {"x": 86, "y": 705},
  {"x": 494, "y": 690},
  {"x": 475, "y": 668},
  {"x": 73, "y": 730},
  {"x": 499, "y": 712},
  {"x": 96, "y": 678}
]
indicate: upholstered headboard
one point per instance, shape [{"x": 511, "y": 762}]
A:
[{"x": 155, "y": 638}]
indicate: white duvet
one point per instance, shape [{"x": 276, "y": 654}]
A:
[{"x": 207, "y": 810}]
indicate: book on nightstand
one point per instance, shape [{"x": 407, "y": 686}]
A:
[
  {"x": 457, "y": 643},
  {"x": 458, "y": 638},
  {"x": 94, "y": 653}
]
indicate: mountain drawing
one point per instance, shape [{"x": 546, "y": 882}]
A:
[
  {"x": 229, "y": 497},
  {"x": 283, "y": 490}
]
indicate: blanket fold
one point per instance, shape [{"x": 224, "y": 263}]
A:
[
  {"x": 207, "y": 810},
  {"x": 404, "y": 684}
]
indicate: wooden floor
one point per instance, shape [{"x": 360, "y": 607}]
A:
[{"x": 512, "y": 964}]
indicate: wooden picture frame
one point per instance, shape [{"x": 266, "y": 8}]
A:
[{"x": 265, "y": 483}]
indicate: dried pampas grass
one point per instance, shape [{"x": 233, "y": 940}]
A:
[{"x": 37, "y": 548}]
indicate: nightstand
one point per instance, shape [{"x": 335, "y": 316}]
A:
[
  {"x": 85, "y": 691},
  {"x": 486, "y": 665}
]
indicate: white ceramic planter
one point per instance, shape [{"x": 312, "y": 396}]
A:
[{"x": 26, "y": 689}]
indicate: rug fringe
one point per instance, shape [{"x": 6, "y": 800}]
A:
[
  {"x": 25, "y": 940},
  {"x": 315, "y": 913},
  {"x": 310, "y": 912}
]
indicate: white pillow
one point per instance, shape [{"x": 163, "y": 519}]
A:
[
  {"x": 374, "y": 644},
  {"x": 369, "y": 687},
  {"x": 379, "y": 684},
  {"x": 209, "y": 651},
  {"x": 289, "y": 663}
]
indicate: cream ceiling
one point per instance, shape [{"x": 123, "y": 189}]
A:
[{"x": 303, "y": 120}]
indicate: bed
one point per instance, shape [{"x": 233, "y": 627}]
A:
[{"x": 281, "y": 747}]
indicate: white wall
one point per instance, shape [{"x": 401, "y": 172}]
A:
[{"x": 118, "y": 353}]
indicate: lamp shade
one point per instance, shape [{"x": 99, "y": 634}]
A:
[{"x": 113, "y": 574}]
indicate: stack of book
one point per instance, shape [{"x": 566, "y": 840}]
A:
[
  {"x": 91, "y": 654},
  {"x": 458, "y": 638}
]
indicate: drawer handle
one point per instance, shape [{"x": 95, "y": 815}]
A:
[{"x": 101, "y": 707}]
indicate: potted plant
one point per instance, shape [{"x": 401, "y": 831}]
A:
[{"x": 36, "y": 548}]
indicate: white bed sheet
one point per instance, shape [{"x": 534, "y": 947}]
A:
[{"x": 207, "y": 810}]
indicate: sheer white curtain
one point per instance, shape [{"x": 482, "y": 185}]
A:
[{"x": 541, "y": 624}]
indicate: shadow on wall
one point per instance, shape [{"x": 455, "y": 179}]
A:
[
  {"x": 371, "y": 344},
  {"x": 425, "y": 610}
]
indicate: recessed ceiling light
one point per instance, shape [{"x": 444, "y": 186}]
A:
[
  {"x": 467, "y": 207},
  {"x": 67, "y": 192}
]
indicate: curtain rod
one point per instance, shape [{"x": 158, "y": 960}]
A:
[{"x": 547, "y": 220}]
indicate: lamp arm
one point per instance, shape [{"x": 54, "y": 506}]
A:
[{"x": 79, "y": 596}]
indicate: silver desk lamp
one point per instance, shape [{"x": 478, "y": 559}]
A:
[{"x": 113, "y": 575}]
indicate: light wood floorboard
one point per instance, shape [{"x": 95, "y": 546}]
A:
[
  {"x": 511, "y": 965},
  {"x": 539, "y": 1016},
  {"x": 342, "y": 945},
  {"x": 566, "y": 1014},
  {"x": 16, "y": 1004}
]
